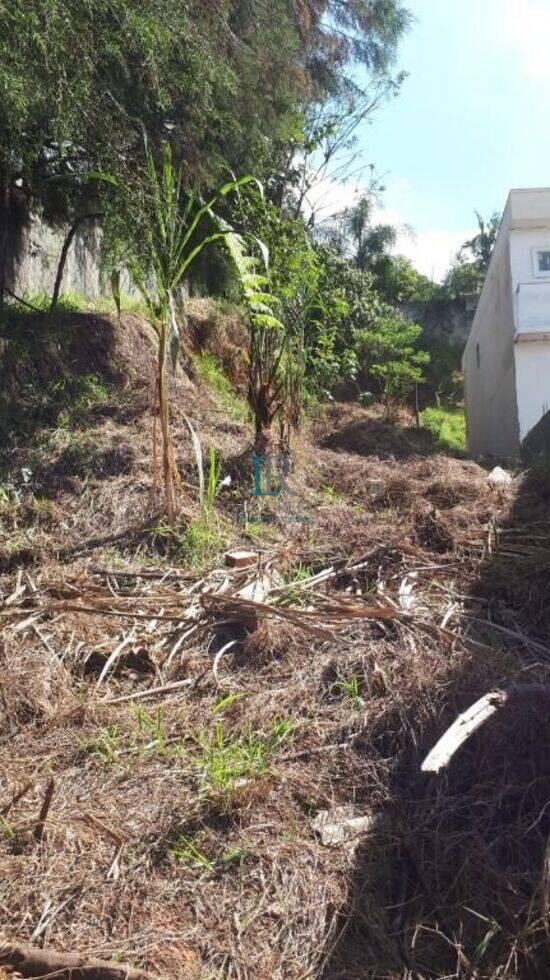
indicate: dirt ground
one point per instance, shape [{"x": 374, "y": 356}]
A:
[{"x": 179, "y": 829}]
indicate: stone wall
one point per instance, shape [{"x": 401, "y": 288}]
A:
[
  {"x": 443, "y": 319},
  {"x": 36, "y": 250}
]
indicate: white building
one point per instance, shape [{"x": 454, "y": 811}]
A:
[{"x": 506, "y": 362}]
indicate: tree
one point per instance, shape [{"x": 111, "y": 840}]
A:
[
  {"x": 158, "y": 236},
  {"x": 337, "y": 32},
  {"x": 469, "y": 268},
  {"x": 337, "y": 36},
  {"x": 81, "y": 80},
  {"x": 397, "y": 281},
  {"x": 481, "y": 245},
  {"x": 390, "y": 353}
]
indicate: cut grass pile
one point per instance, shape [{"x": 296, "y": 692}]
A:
[{"x": 182, "y": 832}]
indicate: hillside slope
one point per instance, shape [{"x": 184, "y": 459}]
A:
[{"x": 169, "y": 741}]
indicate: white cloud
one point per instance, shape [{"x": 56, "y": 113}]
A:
[
  {"x": 523, "y": 26},
  {"x": 431, "y": 250}
]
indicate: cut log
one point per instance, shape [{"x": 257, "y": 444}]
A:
[{"x": 30, "y": 961}]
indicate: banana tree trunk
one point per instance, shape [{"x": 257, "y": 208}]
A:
[{"x": 164, "y": 410}]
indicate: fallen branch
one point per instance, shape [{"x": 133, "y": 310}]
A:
[
  {"x": 38, "y": 833},
  {"x": 471, "y": 720},
  {"x": 152, "y": 691},
  {"x": 30, "y": 961}
]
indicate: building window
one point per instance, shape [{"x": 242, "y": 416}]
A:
[
  {"x": 478, "y": 356},
  {"x": 541, "y": 263}
]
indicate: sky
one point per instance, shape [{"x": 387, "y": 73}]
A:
[{"x": 472, "y": 121}]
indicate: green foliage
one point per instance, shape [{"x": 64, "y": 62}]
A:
[
  {"x": 468, "y": 271},
  {"x": 448, "y": 427},
  {"x": 269, "y": 337},
  {"x": 151, "y": 729},
  {"x": 350, "y": 689},
  {"x": 199, "y": 542},
  {"x": 226, "y": 760},
  {"x": 463, "y": 279},
  {"x": 157, "y": 236},
  {"x": 195, "y": 544},
  {"x": 397, "y": 281},
  {"x": 81, "y": 395},
  {"x": 293, "y": 595},
  {"x": 105, "y": 746},
  {"x": 390, "y": 354},
  {"x": 213, "y": 483},
  {"x": 186, "y": 849},
  {"x": 345, "y": 302},
  {"x": 80, "y": 80},
  {"x": 210, "y": 370},
  {"x": 444, "y": 381}
]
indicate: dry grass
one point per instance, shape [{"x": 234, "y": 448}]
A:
[{"x": 179, "y": 835}]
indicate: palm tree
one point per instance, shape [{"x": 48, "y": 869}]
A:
[{"x": 481, "y": 245}]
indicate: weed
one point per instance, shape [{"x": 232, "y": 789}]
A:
[
  {"x": 330, "y": 494},
  {"x": 195, "y": 545},
  {"x": 8, "y": 494},
  {"x": 203, "y": 541},
  {"x": 293, "y": 595},
  {"x": 187, "y": 850},
  {"x": 233, "y": 856},
  {"x": 67, "y": 303},
  {"x": 350, "y": 688},
  {"x": 105, "y": 747},
  {"x": 447, "y": 426},
  {"x": 152, "y": 726},
  {"x": 128, "y": 304},
  {"x": 228, "y": 760},
  {"x": 82, "y": 394},
  {"x": 228, "y": 701},
  {"x": 7, "y": 828},
  {"x": 210, "y": 371},
  {"x": 213, "y": 484}
]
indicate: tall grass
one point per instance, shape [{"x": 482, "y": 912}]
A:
[
  {"x": 447, "y": 426},
  {"x": 210, "y": 370}
]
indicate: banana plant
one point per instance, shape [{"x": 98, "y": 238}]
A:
[
  {"x": 172, "y": 229},
  {"x": 269, "y": 341}
]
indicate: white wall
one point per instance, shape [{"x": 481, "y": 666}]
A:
[
  {"x": 532, "y": 326},
  {"x": 489, "y": 362},
  {"x": 533, "y": 383}
]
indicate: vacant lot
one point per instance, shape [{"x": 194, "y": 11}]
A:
[{"x": 176, "y": 733}]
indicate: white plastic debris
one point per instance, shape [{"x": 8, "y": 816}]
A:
[
  {"x": 405, "y": 595},
  {"x": 499, "y": 477},
  {"x": 344, "y": 823}
]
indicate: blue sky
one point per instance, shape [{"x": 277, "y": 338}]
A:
[{"x": 472, "y": 120}]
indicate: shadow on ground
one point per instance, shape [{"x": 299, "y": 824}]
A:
[
  {"x": 70, "y": 370},
  {"x": 367, "y": 436},
  {"x": 457, "y": 884}
]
